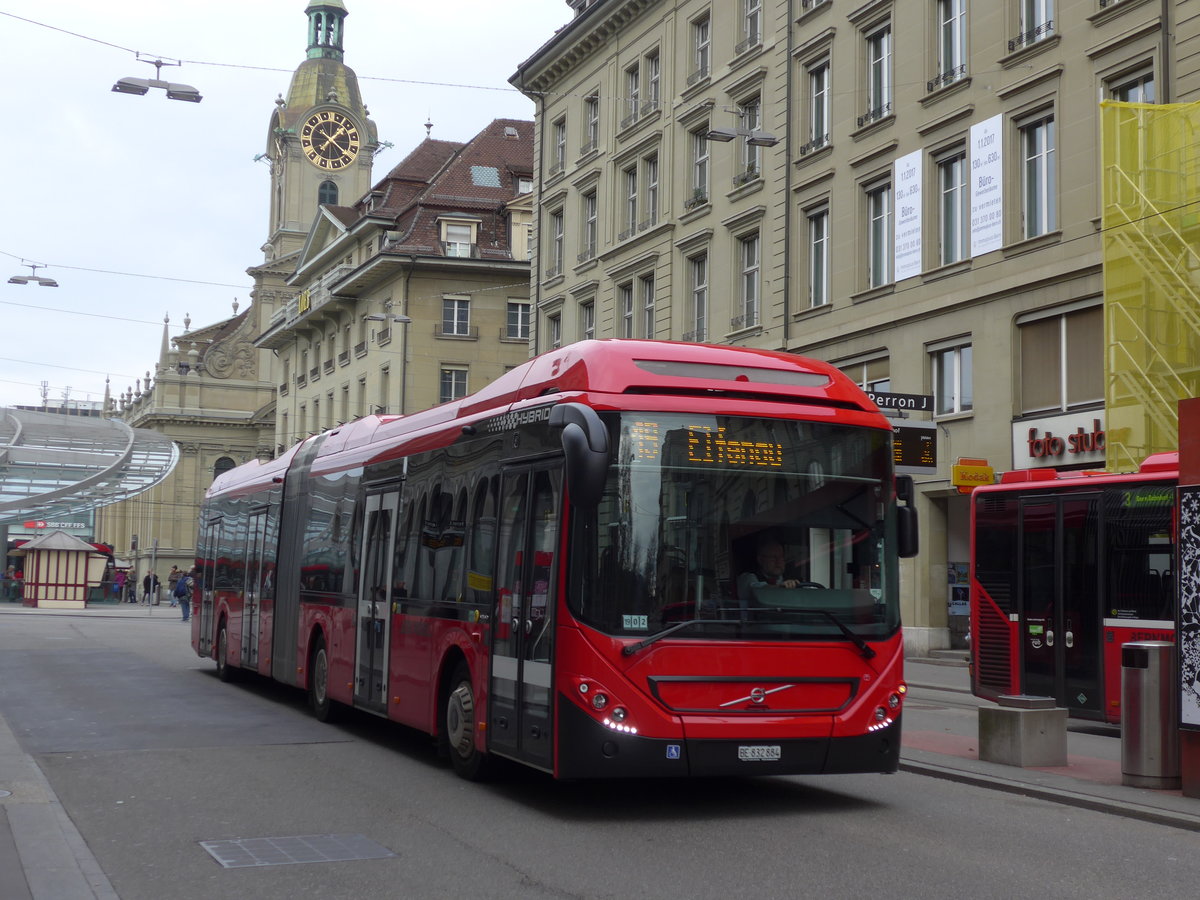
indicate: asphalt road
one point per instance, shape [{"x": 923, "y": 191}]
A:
[{"x": 150, "y": 755}]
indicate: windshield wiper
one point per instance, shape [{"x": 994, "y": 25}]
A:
[
  {"x": 654, "y": 638},
  {"x": 867, "y": 651}
]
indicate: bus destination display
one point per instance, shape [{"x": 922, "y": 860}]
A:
[{"x": 706, "y": 446}]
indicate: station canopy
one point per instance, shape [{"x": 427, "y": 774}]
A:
[{"x": 55, "y": 465}]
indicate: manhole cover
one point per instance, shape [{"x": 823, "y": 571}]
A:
[{"x": 284, "y": 851}]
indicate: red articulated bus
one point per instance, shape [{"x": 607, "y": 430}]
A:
[
  {"x": 548, "y": 570},
  {"x": 1065, "y": 568}
]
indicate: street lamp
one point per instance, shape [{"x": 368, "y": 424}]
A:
[
  {"x": 140, "y": 86},
  {"x": 33, "y": 277},
  {"x": 754, "y": 137}
]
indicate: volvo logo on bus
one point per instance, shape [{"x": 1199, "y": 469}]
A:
[{"x": 758, "y": 695}]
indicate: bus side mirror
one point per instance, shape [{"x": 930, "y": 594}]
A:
[
  {"x": 585, "y": 447},
  {"x": 907, "y": 531}
]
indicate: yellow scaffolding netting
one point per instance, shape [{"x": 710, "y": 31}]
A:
[{"x": 1151, "y": 197}]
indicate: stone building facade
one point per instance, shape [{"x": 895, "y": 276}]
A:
[{"x": 909, "y": 190}]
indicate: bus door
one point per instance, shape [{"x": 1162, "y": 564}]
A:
[
  {"x": 375, "y": 601},
  {"x": 522, "y": 703},
  {"x": 211, "y": 545},
  {"x": 251, "y": 615},
  {"x": 1059, "y": 591}
]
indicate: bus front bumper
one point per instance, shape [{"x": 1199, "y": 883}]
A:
[{"x": 589, "y": 749}]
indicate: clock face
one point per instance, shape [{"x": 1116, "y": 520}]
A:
[{"x": 329, "y": 140}]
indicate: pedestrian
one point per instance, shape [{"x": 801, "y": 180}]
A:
[
  {"x": 119, "y": 584},
  {"x": 172, "y": 581},
  {"x": 183, "y": 592},
  {"x": 150, "y": 585}
]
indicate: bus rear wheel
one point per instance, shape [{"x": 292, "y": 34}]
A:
[
  {"x": 458, "y": 726},
  {"x": 318, "y": 683},
  {"x": 221, "y": 652}
]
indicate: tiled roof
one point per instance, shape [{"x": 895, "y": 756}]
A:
[{"x": 445, "y": 177}]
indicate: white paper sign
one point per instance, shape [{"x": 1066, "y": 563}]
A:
[
  {"x": 906, "y": 176},
  {"x": 987, "y": 185}
]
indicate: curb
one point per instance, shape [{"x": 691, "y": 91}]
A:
[{"x": 1109, "y": 805}]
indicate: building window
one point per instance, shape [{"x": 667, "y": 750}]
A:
[
  {"x": 1037, "y": 177},
  {"x": 457, "y": 238},
  {"x": 818, "y": 257},
  {"x": 327, "y": 193},
  {"x": 650, "y": 170},
  {"x": 556, "y": 244},
  {"x": 699, "y": 167},
  {"x": 625, "y": 310},
  {"x": 751, "y": 25},
  {"x": 630, "y": 220},
  {"x": 517, "y": 325},
  {"x": 870, "y": 375},
  {"x": 879, "y": 235},
  {"x": 452, "y": 385},
  {"x": 456, "y": 316},
  {"x": 222, "y": 465},
  {"x": 1137, "y": 88},
  {"x": 524, "y": 184},
  {"x": 591, "y": 123},
  {"x": 952, "y": 42},
  {"x": 646, "y": 288},
  {"x": 699, "y": 289},
  {"x": 879, "y": 75},
  {"x": 818, "y": 107},
  {"x": 653, "y": 82},
  {"x": 587, "y": 321},
  {"x": 748, "y": 254},
  {"x": 1037, "y": 23},
  {"x": 1062, "y": 361},
  {"x": 554, "y": 329},
  {"x": 633, "y": 95},
  {"x": 559, "y": 134},
  {"x": 953, "y": 208},
  {"x": 589, "y": 227},
  {"x": 750, "y": 113},
  {"x": 952, "y": 379},
  {"x": 701, "y": 49}
]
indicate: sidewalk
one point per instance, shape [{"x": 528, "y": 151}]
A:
[{"x": 941, "y": 740}]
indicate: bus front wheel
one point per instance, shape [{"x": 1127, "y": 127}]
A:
[
  {"x": 318, "y": 683},
  {"x": 458, "y": 726}
]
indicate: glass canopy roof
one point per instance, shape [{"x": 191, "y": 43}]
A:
[{"x": 57, "y": 465}]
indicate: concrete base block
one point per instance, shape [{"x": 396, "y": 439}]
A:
[{"x": 1023, "y": 737}]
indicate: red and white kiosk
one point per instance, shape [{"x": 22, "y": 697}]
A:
[{"x": 60, "y": 569}]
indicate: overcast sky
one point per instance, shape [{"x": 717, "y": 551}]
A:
[{"x": 145, "y": 207}]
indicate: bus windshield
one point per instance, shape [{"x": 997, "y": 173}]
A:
[{"x": 739, "y": 528}]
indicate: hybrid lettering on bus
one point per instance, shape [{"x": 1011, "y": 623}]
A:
[{"x": 548, "y": 570}]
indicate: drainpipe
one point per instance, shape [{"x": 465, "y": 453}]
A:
[
  {"x": 787, "y": 183},
  {"x": 412, "y": 264},
  {"x": 1164, "y": 39}
]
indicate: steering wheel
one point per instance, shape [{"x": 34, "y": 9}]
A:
[{"x": 810, "y": 584}]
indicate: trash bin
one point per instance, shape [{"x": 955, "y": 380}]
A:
[{"x": 1149, "y": 717}]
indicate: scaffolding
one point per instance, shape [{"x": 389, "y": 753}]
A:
[{"x": 1151, "y": 198}]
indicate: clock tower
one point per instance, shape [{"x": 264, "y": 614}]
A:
[{"x": 320, "y": 143}]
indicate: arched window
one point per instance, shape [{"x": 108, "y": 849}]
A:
[
  {"x": 223, "y": 465},
  {"x": 327, "y": 193}
]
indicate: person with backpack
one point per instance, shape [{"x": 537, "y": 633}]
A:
[{"x": 183, "y": 592}]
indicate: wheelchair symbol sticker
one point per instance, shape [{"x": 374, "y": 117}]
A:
[{"x": 672, "y": 751}]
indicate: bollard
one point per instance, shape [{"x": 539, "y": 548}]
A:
[{"x": 1149, "y": 716}]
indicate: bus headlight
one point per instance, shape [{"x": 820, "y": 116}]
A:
[
  {"x": 893, "y": 700},
  {"x": 599, "y": 700},
  {"x": 619, "y": 714}
]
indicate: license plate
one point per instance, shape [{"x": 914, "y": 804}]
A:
[{"x": 763, "y": 753}]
